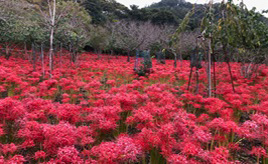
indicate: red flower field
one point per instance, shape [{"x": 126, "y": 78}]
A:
[{"x": 99, "y": 111}]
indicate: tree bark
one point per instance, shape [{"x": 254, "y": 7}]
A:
[
  {"x": 128, "y": 56},
  {"x": 71, "y": 51},
  {"x": 190, "y": 78},
  {"x": 230, "y": 72},
  {"x": 181, "y": 59},
  {"x": 209, "y": 67},
  {"x": 25, "y": 51},
  {"x": 229, "y": 66},
  {"x": 99, "y": 54},
  {"x": 214, "y": 74},
  {"x": 61, "y": 55},
  {"x": 74, "y": 56},
  {"x": 175, "y": 60},
  {"x": 111, "y": 55},
  {"x": 42, "y": 61},
  {"x": 33, "y": 57},
  {"x": 52, "y": 38},
  {"x": 7, "y": 56},
  {"x": 197, "y": 82}
]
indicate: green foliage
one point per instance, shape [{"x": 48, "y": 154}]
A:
[
  {"x": 30, "y": 24},
  {"x": 74, "y": 28},
  {"x": 233, "y": 26},
  {"x": 19, "y": 26},
  {"x": 98, "y": 38},
  {"x": 163, "y": 17},
  {"x": 182, "y": 27},
  {"x": 102, "y": 11},
  {"x": 175, "y": 38},
  {"x": 179, "y": 9},
  {"x": 236, "y": 28}
]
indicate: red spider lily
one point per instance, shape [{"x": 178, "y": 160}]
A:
[
  {"x": 40, "y": 155},
  {"x": 97, "y": 111},
  {"x": 9, "y": 148},
  {"x": 58, "y": 136},
  {"x": 258, "y": 152},
  {"x": 68, "y": 155},
  {"x": 19, "y": 159},
  {"x": 11, "y": 109},
  {"x": 123, "y": 150}
]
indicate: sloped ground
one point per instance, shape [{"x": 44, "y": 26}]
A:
[{"x": 99, "y": 111}]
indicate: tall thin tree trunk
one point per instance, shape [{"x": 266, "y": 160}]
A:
[
  {"x": 175, "y": 60},
  {"x": 74, "y": 56},
  {"x": 209, "y": 53},
  {"x": 180, "y": 51},
  {"x": 7, "y": 52},
  {"x": 52, "y": 38},
  {"x": 231, "y": 75},
  {"x": 61, "y": 55},
  {"x": 71, "y": 51},
  {"x": 209, "y": 67},
  {"x": 51, "y": 52},
  {"x": 181, "y": 60},
  {"x": 111, "y": 55},
  {"x": 34, "y": 57},
  {"x": 99, "y": 54},
  {"x": 112, "y": 52},
  {"x": 42, "y": 60},
  {"x": 190, "y": 78},
  {"x": 25, "y": 50},
  {"x": 77, "y": 58},
  {"x": 229, "y": 66},
  {"x": 197, "y": 82},
  {"x": 128, "y": 56},
  {"x": 55, "y": 51},
  {"x": 214, "y": 74}
]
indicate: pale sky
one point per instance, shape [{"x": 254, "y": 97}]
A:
[{"x": 259, "y": 4}]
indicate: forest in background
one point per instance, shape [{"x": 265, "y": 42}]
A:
[{"x": 97, "y": 25}]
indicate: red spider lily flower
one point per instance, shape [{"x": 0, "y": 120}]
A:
[
  {"x": 18, "y": 159},
  {"x": 191, "y": 148},
  {"x": 11, "y": 109},
  {"x": 202, "y": 134},
  {"x": 214, "y": 105},
  {"x": 220, "y": 155},
  {"x": 258, "y": 151},
  {"x": 68, "y": 112},
  {"x": 68, "y": 155},
  {"x": 27, "y": 144},
  {"x": 31, "y": 130},
  {"x": 9, "y": 148},
  {"x": 124, "y": 149},
  {"x": 178, "y": 159},
  {"x": 58, "y": 136},
  {"x": 233, "y": 146},
  {"x": 39, "y": 155}
]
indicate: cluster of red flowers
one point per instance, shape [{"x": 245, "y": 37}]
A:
[{"x": 99, "y": 111}]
